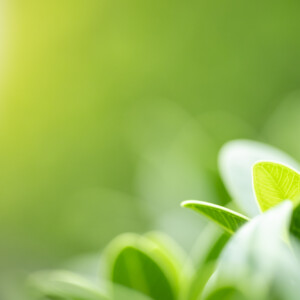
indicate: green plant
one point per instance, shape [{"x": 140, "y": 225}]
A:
[{"x": 255, "y": 257}]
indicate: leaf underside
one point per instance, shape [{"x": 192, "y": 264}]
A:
[
  {"x": 228, "y": 219},
  {"x": 274, "y": 183}
]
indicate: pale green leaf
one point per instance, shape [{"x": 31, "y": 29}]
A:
[
  {"x": 257, "y": 261},
  {"x": 63, "y": 285},
  {"x": 228, "y": 219},
  {"x": 236, "y": 160},
  {"x": 274, "y": 183}
]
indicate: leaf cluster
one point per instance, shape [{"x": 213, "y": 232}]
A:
[{"x": 253, "y": 253}]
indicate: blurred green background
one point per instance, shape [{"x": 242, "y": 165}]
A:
[{"x": 112, "y": 112}]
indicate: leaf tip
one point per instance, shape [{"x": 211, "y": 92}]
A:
[{"x": 186, "y": 203}]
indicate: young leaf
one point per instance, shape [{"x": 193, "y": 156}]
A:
[
  {"x": 62, "y": 285},
  {"x": 228, "y": 219},
  {"x": 135, "y": 262},
  {"x": 236, "y": 160},
  {"x": 257, "y": 261},
  {"x": 274, "y": 183}
]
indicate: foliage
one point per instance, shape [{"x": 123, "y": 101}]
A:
[{"x": 255, "y": 258}]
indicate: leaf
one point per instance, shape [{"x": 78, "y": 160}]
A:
[
  {"x": 227, "y": 293},
  {"x": 204, "y": 256},
  {"x": 274, "y": 183},
  {"x": 236, "y": 160},
  {"x": 228, "y": 219},
  {"x": 257, "y": 262},
  {"x": 120, "y": 292},
  {"x": 174, "y": 258},
  {"x": 136, "y": 262},
  {"x": 295, "y": 223},
  {"x": 63, "y": 285}
]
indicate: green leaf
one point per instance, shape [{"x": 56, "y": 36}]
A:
[
  {"x": 274, "y": 183},
  {"x": 137, "y": 263},
  {"x": 228, "y": 219},
  {"x": 204, "y": 255},
  {"x": 174, "y": 258},
  {"x": 228, "y": 293},
  {"x": 236, "y": 160},
  {"x": 63, "y": 285},
  {"x": 124, "y": 293},
  {"x": 257, "y": 261},
  {"x": 295, "y": 223}
]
